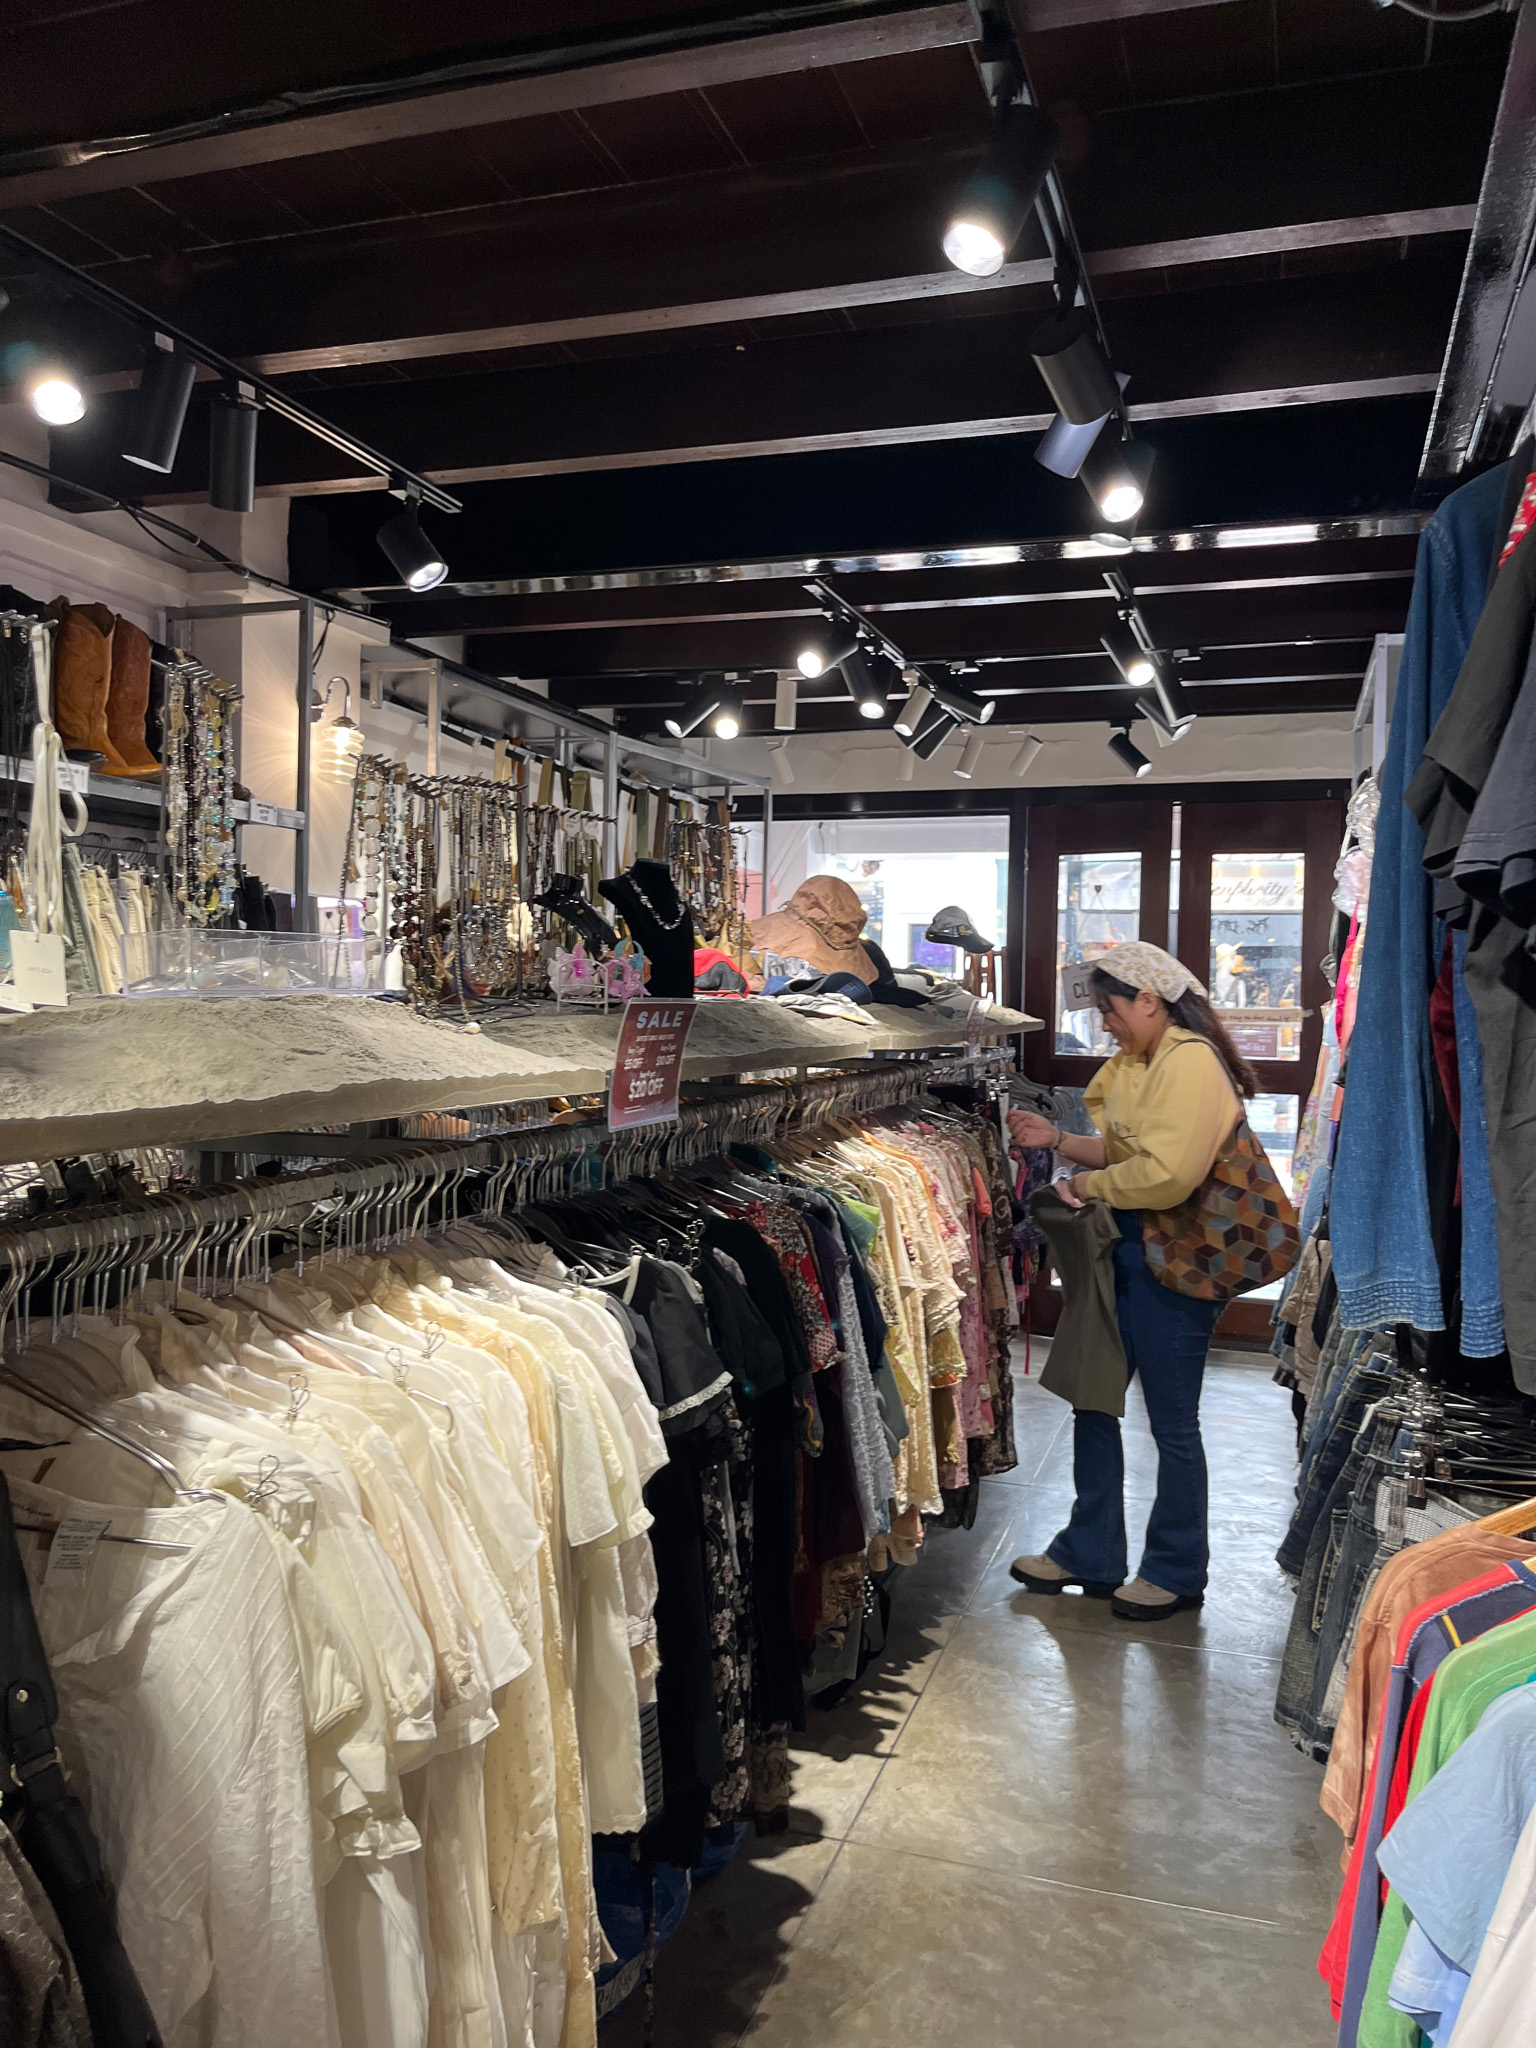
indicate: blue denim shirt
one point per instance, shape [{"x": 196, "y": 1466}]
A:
[{"x": 1383, "y": 1257}]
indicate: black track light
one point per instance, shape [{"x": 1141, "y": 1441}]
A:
[
  {"x": 160, "y": 408},
  {"x": 1115, "y": 474},
  {"x": 704, "y": 702},
  {"x": 963, "y": 704},
  {"x": 1126, "y": 751},
  {"x": 1067, "y": 355},
  {"x": 932, "y": 733},
  {"x": 1173, "y": 697},
  {"x": 1151, "y": 710},
  {"x": 417, "y": 559},
  {"x": 1128, "y": 655},
  {"x": 911, "y": 715},
  {"x": 817, "y": 656},
  {"x": 863, "y": 688},
  {"x": 998, "y": 198},
  {"x": 232, "y": 450},
  {"x": 730, "y": 713}
]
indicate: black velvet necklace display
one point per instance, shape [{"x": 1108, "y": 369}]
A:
[
  {"x": 660, "y": 921},
  {"x": 564, "y": 898}
]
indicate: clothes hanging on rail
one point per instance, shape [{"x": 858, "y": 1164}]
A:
[{"x": 461, "y": 1520}]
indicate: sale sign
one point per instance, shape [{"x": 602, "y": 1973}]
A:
[{"x": 649, "y": 1062}]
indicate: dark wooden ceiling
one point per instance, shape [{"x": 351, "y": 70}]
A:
[{"x": 651, "y": 290}]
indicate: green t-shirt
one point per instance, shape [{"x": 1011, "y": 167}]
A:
[{"x": 1465, "y": 1686}]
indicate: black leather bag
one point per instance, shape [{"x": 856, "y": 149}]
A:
[{"x": 49, "y": 1822}]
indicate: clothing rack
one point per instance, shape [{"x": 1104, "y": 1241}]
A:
[{"x": 226, "y": 1226}]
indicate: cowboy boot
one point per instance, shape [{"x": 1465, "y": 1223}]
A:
[
  {"x": 128, "y": 701},
  {"x": 82, "y": 678}
]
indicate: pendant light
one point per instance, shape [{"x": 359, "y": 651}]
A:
[{"x": 998, "y": 198}]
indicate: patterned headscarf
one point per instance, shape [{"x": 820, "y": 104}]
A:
[{"x": 1143, "y": 966}]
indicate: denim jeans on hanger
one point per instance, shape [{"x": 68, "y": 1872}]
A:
[
  {"x": 1330, "y": 1446},
  {"x": 1166, "y": 1337},
  {"x": 1298, "y": 1664}
]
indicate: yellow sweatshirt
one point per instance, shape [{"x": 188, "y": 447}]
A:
[{"x": 1163, "y": 1120}]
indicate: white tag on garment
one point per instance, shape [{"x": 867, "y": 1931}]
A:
[
  {"x": 37, "y": 968},
  {"x": 74, "y": 1545}
]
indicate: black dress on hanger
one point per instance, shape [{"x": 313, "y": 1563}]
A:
[{"x": 658, "y": 915}]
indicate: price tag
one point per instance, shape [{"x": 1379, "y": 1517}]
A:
[
  {"x": 74, "y": 778},
  {"x": 973, "y": 1031},
  {"x": 73, "y": 1547},
  {"x": 649, "y": 1062},
  {"x": 37, "y": 967},
  {"x": 261, "y": 813}
]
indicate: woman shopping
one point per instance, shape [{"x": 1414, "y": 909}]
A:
[{"x": 1166, "y": 1105}]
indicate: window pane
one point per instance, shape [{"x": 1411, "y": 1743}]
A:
[
  {"x": 1272, "y": 1119},
  {"x": 1256, "y": 904},
  {"x": 1098, "y": 905}
]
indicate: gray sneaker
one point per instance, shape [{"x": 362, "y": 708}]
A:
[
  {"x": 1044, "y": 1575},
  {"x": 1140, "y": 1600}
]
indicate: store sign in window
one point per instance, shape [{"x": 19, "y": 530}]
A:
[
  {"x": 1098, "y": 905},
  {"x": 1255, "y": 964}
]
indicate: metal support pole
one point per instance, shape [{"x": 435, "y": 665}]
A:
[
  {"x": 767, "y": 833},
  {"x": 613, "y": 852},
  {"x": 301, "y": 799},
  {"x": 434, "y": 715}
]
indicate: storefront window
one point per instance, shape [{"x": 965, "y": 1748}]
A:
[
  {"x": 1098, "y": 905},
  {"x": 903, "y": 872},
  {"x": 1255, "y": 965},
  {"x": 1272, "y": 1119}
]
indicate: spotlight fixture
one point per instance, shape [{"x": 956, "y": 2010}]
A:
[
  {"x": 160, "y": 409},
  {"x": 934, "y": 731},
  {"x": 232, "y": 450},
  {"x": 782, "y": 768},
  {"x": 729, "y": 712},
  {"x": 817, "y": 656},
  {"x": 1067, "y": 355},
  {"x": 416, "y": 558},
  {"x": 1128, "y": 754},
  {"x": 1027, "y": 755},
  {"x": 1120, "y": 643},
  {"x": 906, "y": 765},
  {"x": 57, "y": 400},
  {"x": 703, "y": 703},
  {"x": 998, "y": 198},
  {"x": 1063, "y": 447},
  {"x": 1116, "y": 475},
  {"x": 963, "y": 704},
  {"x": 970, "y": 753},
  {"x": 786, "y": 700},
  {"x": 863, "y": 688},
  {"x": 1173, "y": 697},
  {"x": 913, "y": 712},
  {"x": 1152, "y": 711}
]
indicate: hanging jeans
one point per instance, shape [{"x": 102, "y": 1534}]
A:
[{"x": 1166, "y": 1337}]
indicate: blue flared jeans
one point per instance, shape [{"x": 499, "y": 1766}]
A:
[{"x": 1166, "y": 1337}]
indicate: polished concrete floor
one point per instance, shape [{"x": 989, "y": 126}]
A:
[{"x": 1032, "y": 1823}]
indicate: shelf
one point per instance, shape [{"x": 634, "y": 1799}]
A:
[
  {"x": 145, "y": 796},
  {"x": 112, "y": 1074}
]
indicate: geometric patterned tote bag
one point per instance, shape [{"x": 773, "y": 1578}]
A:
[{"x": 1237, "y": 1231}]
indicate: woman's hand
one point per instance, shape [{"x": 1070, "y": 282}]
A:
[
  {"x": 1071, "y": 1191},
  {"x": 1030, "y": 1131}
]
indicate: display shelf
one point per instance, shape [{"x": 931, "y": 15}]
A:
[
  {"x": 145, "y": 796},
  {"x": 111, "y": 1074}
]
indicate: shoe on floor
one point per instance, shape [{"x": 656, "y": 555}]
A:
[
  {"x": 1142, "y": 1601},
  {"x": 1044, "y": 1575}
]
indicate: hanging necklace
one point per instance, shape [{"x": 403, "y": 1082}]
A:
[{"x": 667, "y": 924}]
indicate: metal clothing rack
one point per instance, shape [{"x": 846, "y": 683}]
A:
[{"x": 224, "y": 1230}]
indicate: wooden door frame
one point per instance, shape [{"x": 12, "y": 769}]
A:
[{"x": 1144, "y": 827}]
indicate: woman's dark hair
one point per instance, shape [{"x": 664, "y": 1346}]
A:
[{"x": 1191, "y": 1013}]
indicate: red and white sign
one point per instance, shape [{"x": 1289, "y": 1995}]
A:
[{"x": 649, "y": 1061}]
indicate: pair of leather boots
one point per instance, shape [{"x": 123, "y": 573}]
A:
[{"x": 101, "y": 688}]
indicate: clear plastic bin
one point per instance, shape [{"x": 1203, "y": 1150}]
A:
[{"x": 202, "y": 963}]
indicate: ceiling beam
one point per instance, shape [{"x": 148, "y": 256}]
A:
[
  {"x": 822, "y": 234},
  {"x": 1036, "y": 17},
  {"x": 1296, "y": 342},
  {"x": 532, "y": 82}
]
